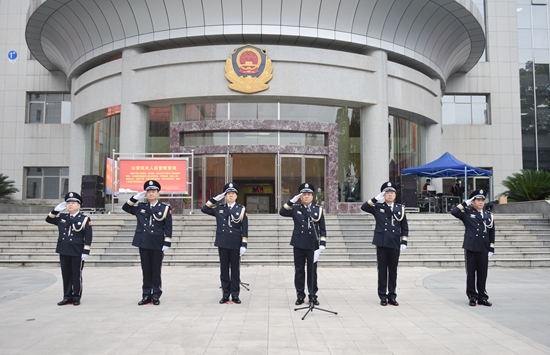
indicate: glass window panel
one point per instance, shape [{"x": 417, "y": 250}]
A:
[
  {"x": 525, "y": 55},
  {"x": 463, "y": 98},
  {"x": 448, "y": 98},
  {"x": 301, "y": 139},
  {"x": 540, "y": 17},
  {"x": 253, "y": 138},
  {"x": 243, "y": 111},
  {"x": 54, "y": 97},
  {"x": 67, "y": 97},
  {"x": 291, "y": 177},
  {"x": 204, "y": 138},
  {"x": 63, "y": 171},
  {"x": 448, "y": 113},
  {"x": 296, "y": 112},
  {"x": 51, "y": 171},
  {"x": 34, "y": 171},
  {"x": 215, "y": 176},
  {"x": 479, "y": 98},
  {"x": 53, "y": 112},
  {"x": 268, "y": 111},
  {"x": 51, "y": 187},
  {"x": 525, "y": 38},
  {"x": 463, "y": 114},
  {"x": 540, "y": 38},
  {"x": 315, "y": 174},
  {"x": 34, "y": 188},
  {"x": 542, "y": 56},
  {"x": 37, "y": 97},
  {"x": 64, "y": 187},
  {"x": 480, "y": 114},
  {"x": 35, "y": 113},
  {"x": 206, "y": 111},
  {"x": 524, "y": 16}
]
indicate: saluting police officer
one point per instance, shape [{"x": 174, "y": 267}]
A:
[
  {"x": 73, "y": 245},
  {"x": 478, "y": 245},
  {"x": 309, "y": 239},
  {"x": 153, "y": 237},
  {"x": 390, "y": 237},
  {"x": 231, "y": 238}
]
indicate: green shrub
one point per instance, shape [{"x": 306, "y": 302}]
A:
[
  {"x": 529, "y": 185},
  {"x": 6, "y": 186}
]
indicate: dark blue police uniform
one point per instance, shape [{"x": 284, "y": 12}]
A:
[
  {"x": 390, "y": 233},
  {"x": 75, "y": 239},
  {"x": 309, "y": 232},
  {"x": 479, "y": 240},
  {"x": 231, "y": 235},
  {"x": 153, "y": 231}
]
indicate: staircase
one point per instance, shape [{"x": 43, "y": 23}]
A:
[{"x": 434, "y": 240}]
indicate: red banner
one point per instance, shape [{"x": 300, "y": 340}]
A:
[{"x": 170, "y": 173}]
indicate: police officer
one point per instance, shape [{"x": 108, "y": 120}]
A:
[
  {"x": 390, "y": 237},
  {"x": 309, "y": 239},
  {"x": 73, "y": 245},
  {"x": 478, "y": 245},
  {"x": 153, "y": 237},
  {"x": 231, "y": 238}
]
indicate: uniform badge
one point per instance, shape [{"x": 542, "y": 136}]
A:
[
  {"x": 237, "y": 213},
  {"x": 71, "y": 194},
  {"x": 299, "y": 212},
  {"x": 472, "y": 216},
  {"x": 382, "y": 210},
  {"x": 142, "y": 211},
  {"x": 63, "y": 221},
  {"x": 248, "y": 69},
  {"x": 160, "y": 213},
  {"x": 79, "y": 223}
]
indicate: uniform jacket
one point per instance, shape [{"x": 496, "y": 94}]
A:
[
  {"x": 479, "y": 234},
  {"x": 392, "y": 228},
  {"x": 231, "y": 226},
  {"x": 75, "y": 235},
  {"x": 154, "y": 225},
  {"x": 303, "y": 235}
]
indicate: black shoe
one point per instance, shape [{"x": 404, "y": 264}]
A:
[
  {"x": 156, "y": 301},
  {"x": 314, "y": 300},
  {"x": 145, "y": 300},
  {"x": 224, "y": 300},
  {"x": 76, "y": 303},
  {"x": 63, "y": 302},
  {"x": 484, "y": 303},
  {"x": 383, "y": 302},
  {"x": 393, "y": 302},
  {"x": 299, "y": 301},
  {"x": 236, "y": 300},
  {"x": 472, "y": 302}
]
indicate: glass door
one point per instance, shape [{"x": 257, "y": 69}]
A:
[{"x": 294, "y": 170}]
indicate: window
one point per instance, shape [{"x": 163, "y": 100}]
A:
[
  {"x": 46, "y": 183},
  {"x": 465, "y": 110},
  {"x": 49, "y": 108}
]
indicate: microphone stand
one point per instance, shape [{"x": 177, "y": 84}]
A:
[
  {"x": 311, "y": 305},
  {"x": 243, "y": 284}
]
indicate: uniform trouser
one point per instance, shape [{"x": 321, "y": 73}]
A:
[
  {"x": 151, "y": 265},
  {"x": 477, "y": 264},
  {"x": 229, "y": 259},
  {"x": 387, "y": 260},
  {"x": 71, "y": 271},
  {"x": 301, "y": 257}
]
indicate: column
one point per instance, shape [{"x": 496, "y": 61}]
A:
[{"x": 374, "y": 133}]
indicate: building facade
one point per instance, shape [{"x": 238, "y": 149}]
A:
[{"x": 345, "y": 94}]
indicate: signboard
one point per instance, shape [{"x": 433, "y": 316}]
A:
[
  {"x": 170, "y": 173},
  {"x": 109, "y": 177},
  {"x": 12, "y": 56}
]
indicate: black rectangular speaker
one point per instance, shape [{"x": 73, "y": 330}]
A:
[
  {"x": 91, "y": 193},
  {"x": 91, "y": 185},
  {"x": 92, "y": 178},
  {"x": 93, "y": 202}
]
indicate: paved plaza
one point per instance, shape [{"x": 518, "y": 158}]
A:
[{"x": 433, "y": 316}]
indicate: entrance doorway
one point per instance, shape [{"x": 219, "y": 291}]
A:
[{"x": 266, "y": 181}]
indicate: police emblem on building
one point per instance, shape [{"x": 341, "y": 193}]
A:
[{"x": 248, "y": 69}]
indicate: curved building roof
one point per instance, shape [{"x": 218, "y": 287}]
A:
[{"x": 437, "y": 37}]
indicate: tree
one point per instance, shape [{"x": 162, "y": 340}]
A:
[
  {"x": 529, "y": 185},
  {"x": 6, "y": 186}
]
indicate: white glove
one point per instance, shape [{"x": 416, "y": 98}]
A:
[
  {"x": 165, "y": 248},
  {"x": 140, "y": 195},
  {"x": 316, "y": 255},
  {"x": 60, "y": 207},
  {"x": 295, "y": 198},
  {"x": 219, "y": 197},
  {"x": 84, "y": 256},
  {"x": 242, "y": 251},
  {"x": 490, "y": 254},
  {"x": 380, "y": 197},
  {"x": 402, "y": 247},
  {"x": 469, "y": 202},
  {"x": 321, "y": 248}
]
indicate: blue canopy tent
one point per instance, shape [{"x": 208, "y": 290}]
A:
[{"x": 448, "y": 166}]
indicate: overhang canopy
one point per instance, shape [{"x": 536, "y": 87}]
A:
[{"x": 437, "y": 37}]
